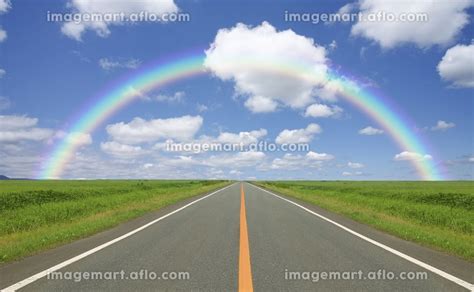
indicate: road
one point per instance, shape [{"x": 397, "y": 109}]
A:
[{"x": 245, "y": 238}]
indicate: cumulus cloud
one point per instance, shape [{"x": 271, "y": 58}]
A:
[
  {"x": 121, "y": 150},
  {"x": 261, "y": 104},
  {"x": 2, "y": 72},
  {"x": 445, "y": 21},
  {"x": 245, "y": 138},
  {"x": 13, "y": 122},
  {"x": 109, "y": 64},
  {"x": 15, "y": 128},
  {"x": 102, "y": 7},
  {"x": 411, "y": 156},
  {"x": 33, "y": 134},
  {"x": 5, "y": 5},
  {"x": 298, "y": 135},
  {"x": 443, "y": 126},
  {"x": 355, "y": 165},
  {"x": 235, "y": 52},
  {"x": 322, "y": 111},
  {"x": 370, "y": 131},
  {"x": 457, "y": 66},
  {"x": 142, "y": 131}
]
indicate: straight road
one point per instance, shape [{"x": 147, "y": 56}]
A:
[{"x": 245, "y": 238}]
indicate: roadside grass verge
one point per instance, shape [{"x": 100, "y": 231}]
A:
[
  {"x": 37, "y": 215},
  {"x": 439, "y": 215}
]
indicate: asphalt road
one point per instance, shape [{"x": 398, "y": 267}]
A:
[{"x": 245, "y": 238}]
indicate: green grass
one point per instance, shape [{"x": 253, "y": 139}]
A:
[
  {"x": 37, "y": 215},
  {"x": 439, "y": 215}
]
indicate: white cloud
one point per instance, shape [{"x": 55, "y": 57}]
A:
[
  {"x": 471, "y": 159},
  {"x": 5, "y": 5},
  {"x": 120, "y": 150},
  {"x": 3, "y": 35},
  {"x": 2, "y": 72},
  {"x": 73, "y": 30},
  {"x": 4, "y": 103},
  {"x": 298, "y": 135},
  {"x": 319, "y": 156},
  {"x": 370, "y": 131},
  {"x": 176, "y": 97},
  {"x": 355, "y": 165},
  {"x": 13, "y": 122},
  {"x": 15, "y": 128},
  {"x": 457, "y": 66},
  {"x": 110, "y": 64},
  {"x": 289, "y": 161},
  {"x": 333, "y": 45},
  {"x": 245, "y": 138},
  {"x": 412, "y": 156},
  {"x": 141, "y": 131},
  {"x": 322, "y": 111},
  {"x": 33, "y": 134},
  {"x": 235, "y": 52},
  {"x": 201, "y": 107},
  {"x": 445, "y": 21},
  {"x": 102, "y": 7},
  {"x": 443, "y": 126},
  {"x": 261, "y": 104}
]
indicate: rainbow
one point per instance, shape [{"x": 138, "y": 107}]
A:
[{"x": 158, "y": 75}]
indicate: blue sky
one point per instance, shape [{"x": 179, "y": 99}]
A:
[{"x": 49, "y": 70}]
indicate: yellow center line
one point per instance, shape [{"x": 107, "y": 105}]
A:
[{"x": 245, "y": 271}]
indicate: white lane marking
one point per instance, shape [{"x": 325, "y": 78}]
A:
[
  {"x": 430, "y": 268},
  {"x": 41, "y": 274}
]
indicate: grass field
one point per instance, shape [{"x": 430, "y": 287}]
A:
[
  {"x": 435, "y": 214},
  {"x": 36, "y": 215}
]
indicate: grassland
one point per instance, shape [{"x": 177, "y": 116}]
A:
[
  {"x": 439, "y": 215},
  {"x": 36, "y": 215}
]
